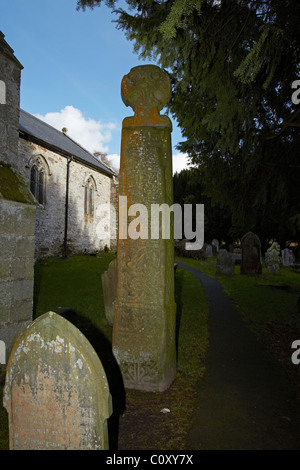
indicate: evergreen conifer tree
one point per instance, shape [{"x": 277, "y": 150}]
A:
[{"x": 234, "y": 65}]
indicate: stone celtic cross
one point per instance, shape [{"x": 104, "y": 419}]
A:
[{"x": 144, "y": 309}]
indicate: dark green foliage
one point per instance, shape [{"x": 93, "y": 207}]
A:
[
  {"x": 232, "y": 64},
  {"x": 188, "y": 189},
  {"x": 83, "y": 4}
]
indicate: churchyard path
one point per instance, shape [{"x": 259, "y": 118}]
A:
[{"x": 244, "y": 401}]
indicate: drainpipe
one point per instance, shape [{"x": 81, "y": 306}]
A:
[{"x": 65, "y": 247}]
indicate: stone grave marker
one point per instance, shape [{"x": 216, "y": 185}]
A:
[
  {"x": 145, "y": 310},
  {"x": 209, "y": 251},
  {"x": 56, "y": 392},
  {"x": 225, "y": 263},
  {"x": 251, "y": 262},
  {"x": 215, "y": 246},
  {"x": 287, "y": 257},
  {"x": 109, "y": 286},
  {"x": 272, "y": 258}
]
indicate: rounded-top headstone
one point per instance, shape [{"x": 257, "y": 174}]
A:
[
  {"x": 56, "y": 392},
  {"x": 251, "y": 254}
]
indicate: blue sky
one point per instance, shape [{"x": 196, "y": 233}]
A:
[{"x": 74, "y": 62}]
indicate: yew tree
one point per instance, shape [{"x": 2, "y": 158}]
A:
[{"x": 234, "y": 66}]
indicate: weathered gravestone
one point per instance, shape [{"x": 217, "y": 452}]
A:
[
  {"x": 251, "y": 262},
  {"x": 225, "y": 263},
  {"x": 272, "y": 259},
  {"x": 287, "y": 257},
  {"x": 215, "y": 246},
  {"x": 145, "y": 310},
  {"x": 56, "y": 393},
  {"x": 109, "y": 287},
  {"x": 209, "y": 251}
]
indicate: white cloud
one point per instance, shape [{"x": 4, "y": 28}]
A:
[
  {"x": 180, "y": 162},
  {"x": 92, "y": 135},
  {"x": 95, "y": 136},
  {"x": 114, "y": 160}
]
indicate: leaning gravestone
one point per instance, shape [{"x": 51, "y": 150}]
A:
[
  {"x": 251, "y": 262},
  {"x": 145, "y": 310},
  {"x": 109, "y": 288},
  {"x": 225, "y": 263},
  {"x": 56, "y": 393}
]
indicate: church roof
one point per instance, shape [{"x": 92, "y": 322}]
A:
[{"x": 40, "y": 132}]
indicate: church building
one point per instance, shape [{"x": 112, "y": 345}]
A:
[{"x": 75, "y": 191}]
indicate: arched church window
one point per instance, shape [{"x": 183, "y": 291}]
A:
[
  {"x": 89, "y": 196},
  {"x": 38, "y": 172},
  {"x": 37, "y": 184}
]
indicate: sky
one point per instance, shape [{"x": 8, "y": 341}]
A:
[{"x": 74, "y": 62}]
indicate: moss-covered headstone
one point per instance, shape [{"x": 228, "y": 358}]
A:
[
  {"x": 56, "y": 392},
  {"x": 144, "y": 309}
]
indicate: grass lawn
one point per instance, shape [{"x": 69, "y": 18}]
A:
[
  {"x": 267, "y": 303},
  {"x": 75, "y": 284},
  {"x": 263, "y": 300},
  {"x": 72, "y": 283}
]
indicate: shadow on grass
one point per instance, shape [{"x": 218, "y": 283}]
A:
[
  {"x": 178, "y": 300},
  {"x": 103, "y": 348},
  {"x": 37, "y": 286}
]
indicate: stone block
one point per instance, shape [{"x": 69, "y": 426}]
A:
[
  {"x": 23, "y": 290},
  {"x": 7, "y": 243},
  {"x": 25, "y": 247},
  {"x": 4, "y": 312},
  {"x": 22, "y": 268},
  {"x": 7, "y": 288},
  {"x": 5, "y": 268},
  {"x": 21, "y": 310}
]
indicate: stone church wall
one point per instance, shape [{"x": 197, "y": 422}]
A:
[{"x": 85, "y": 232}]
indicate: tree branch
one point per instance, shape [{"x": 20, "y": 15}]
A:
[{"x": 285, "y": 125}]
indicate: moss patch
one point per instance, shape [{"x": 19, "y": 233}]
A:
[{"x": 13, "y": 187}]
